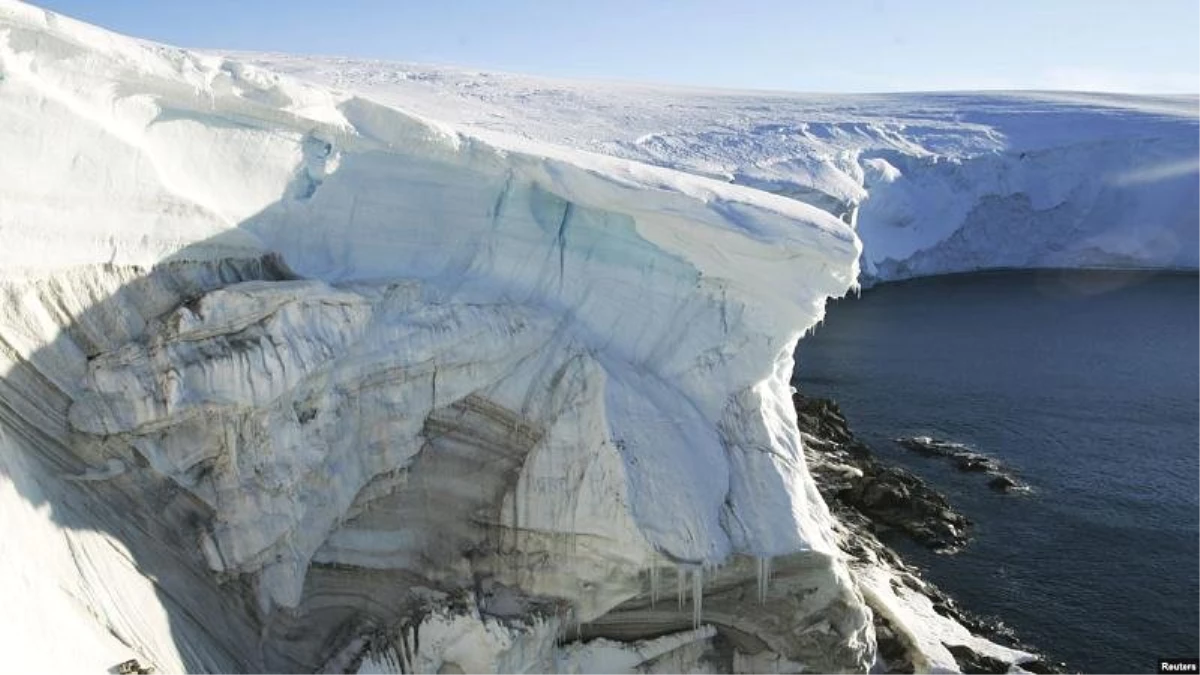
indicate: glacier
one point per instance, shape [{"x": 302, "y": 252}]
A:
[
  {"x": 300, "y": 377},
  {"x": 292, "y": 378},
  {"x": 935, "y": 183}
]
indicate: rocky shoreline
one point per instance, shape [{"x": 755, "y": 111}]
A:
[
  {"x": 889, "y": 496},
  {"x": 869, "y": 497}
]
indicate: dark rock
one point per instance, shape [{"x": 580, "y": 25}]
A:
[
  {"x": 1002, "y": 483},
  {"x": 890, "y": 497},
  {"x": 900, "y": 499},
  {"x": 892, "y": 650},
  {"x": 973, "y": 462},
  {"x": 882, "y": 497},
  {"x": 931, "y": 447},
  {"x": 1042, "y": 667},
  {"x": 964, "y": 459},
  {"x": 822, "y": 418},
  {"x": 971, "y": 661}
]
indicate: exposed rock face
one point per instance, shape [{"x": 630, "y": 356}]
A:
[
  {"x": 1002, "y": 483},
  {"x": 944, "y": 635},
  {"x": 890, "y": 496},
  {"x": 964, "y": 459}
]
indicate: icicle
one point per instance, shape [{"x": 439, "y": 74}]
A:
[
  {"x": 517, "y": 493},
  {"x": 406, "y": 650},
  {"x": 697, "y": 595},
  {"x": 680, "y": 585},
  {"x": 653, "y": 581},
  {"x": 758, "y": 578},
  {"x": 764, "y": 578},
  {"x": 560, "y": 620}
]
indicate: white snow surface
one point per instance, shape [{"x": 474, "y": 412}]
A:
[{"x": 937, "y": 183}]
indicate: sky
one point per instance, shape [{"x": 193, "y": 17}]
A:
[{"x": 1146, "y": 46}]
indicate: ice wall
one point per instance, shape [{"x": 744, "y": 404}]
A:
[
  {"x": 936, "y": 183},
  {"x": 339, "y": 364}
]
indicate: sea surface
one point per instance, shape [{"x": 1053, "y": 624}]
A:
[{"x": 1085, "y": 384}]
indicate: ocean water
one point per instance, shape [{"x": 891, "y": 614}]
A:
[{"x": 1085, "y": 384}]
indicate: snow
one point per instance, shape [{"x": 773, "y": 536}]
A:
[
  {"x": 936, "y": 183},
  {"x": 55, "y": 583},
  {"x": 930, "y": 633}
]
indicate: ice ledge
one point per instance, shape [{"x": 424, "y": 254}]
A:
[
  {"x": 943, "y": 182},
  {"x": 564, "y": 328}
]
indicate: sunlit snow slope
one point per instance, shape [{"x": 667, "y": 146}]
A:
[
  {"x": 291, "y": 380},
  {"x": 936, "y": 183}
]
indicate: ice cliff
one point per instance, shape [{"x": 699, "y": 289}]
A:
[
  {"x": 294, "y": 380},
  {"x": 935, "y": 183}
]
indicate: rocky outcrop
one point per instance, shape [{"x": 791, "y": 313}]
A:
[
  {"x": 892, "y": 498},
  {"x": 964, "y": 459},
  {"x": 907, "y": 608}
]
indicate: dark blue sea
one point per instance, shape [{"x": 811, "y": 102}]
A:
[{"x": 1085, "y": 384}]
